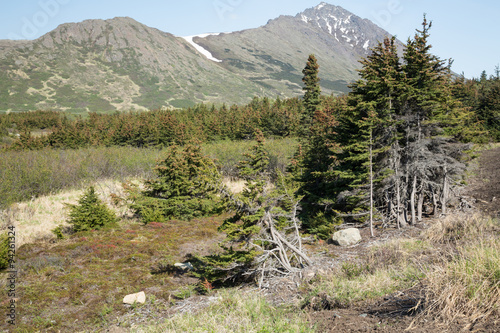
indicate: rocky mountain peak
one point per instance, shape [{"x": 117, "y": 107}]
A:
[{"x": 347, "y": 28}]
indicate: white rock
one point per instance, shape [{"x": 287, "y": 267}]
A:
[
  {"x": 184, "y": 266},
  {"x": 135, "y": 298},
  {"x": 347, "y": 237}
]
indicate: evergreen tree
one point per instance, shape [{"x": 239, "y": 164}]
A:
[
  {"x": 185, "y": 187},
  {"x": 392, "y": 139},
  {"x": 313, "y": 168},
  {"x": 312, "y": 90},
  {"x": 90, "y": 213},
  {"x": 263, "y": 237}
]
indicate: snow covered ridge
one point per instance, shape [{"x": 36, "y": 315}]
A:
[
  {"x": 199, "y": 48},
  {"x": 337, "y": 21}
]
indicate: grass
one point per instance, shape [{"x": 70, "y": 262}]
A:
[
  {"x": 78, "y": 283},
  {"x": 386, "y": 268},
  {"x": 236, "y": 311},
  {"x": 28, "y": 175},
  {"x": 467, "y": 286},
  {"x": 34, "y": 219}
]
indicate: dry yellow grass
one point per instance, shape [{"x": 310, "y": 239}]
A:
[
  {"x": 35, "y": 219},
  {"x": 467, "y": 286}
]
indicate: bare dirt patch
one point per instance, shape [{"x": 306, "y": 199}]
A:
[{"x": 484, "y": 186}]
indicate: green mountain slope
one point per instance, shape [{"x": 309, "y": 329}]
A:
[
  {"x": 117, "y": 64},
  {"x": 121, "y": 64}
]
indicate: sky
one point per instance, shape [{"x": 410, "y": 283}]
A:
[{"x": 466, "y": 31}]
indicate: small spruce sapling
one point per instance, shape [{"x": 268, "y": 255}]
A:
[
  {"x": 90, "y": 213},
  {"x": 4, "y": 250}
]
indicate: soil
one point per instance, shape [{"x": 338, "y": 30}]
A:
[{"x": 485, "y": 184}]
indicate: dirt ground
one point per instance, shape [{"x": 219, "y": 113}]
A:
[{"x": 485, "y": 184}]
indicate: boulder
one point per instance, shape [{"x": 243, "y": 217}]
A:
[
  {"x": 135, "y": 298},
  {"x": 347, "y": 237}
]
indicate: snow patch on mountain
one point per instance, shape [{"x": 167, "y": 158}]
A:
[
  {"x": 341, "y": 24},
  {"x": 199, "y": 48}
]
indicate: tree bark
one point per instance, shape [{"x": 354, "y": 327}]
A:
[
  {"x": 420, "y": 204},
  {"x": 412, "y": 200},
  {"x": 444, "y": 195}
]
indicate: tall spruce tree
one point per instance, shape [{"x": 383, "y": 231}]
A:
[
  {"x": 396, "y": 138},
  {"x": 367, "y": 129},
  {"x": 312, "y": 90}
]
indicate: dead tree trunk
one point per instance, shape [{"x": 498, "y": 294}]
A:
[
  {"x": 444, "y": 194},
  {"x": 434, "y": 201},
  {"x": 412, "y": 200},
  {"x": 370, "y": 152},
  {"x": 420, "y": 205}
]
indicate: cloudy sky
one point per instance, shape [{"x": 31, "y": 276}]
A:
[{"x": 466, "y": 31}]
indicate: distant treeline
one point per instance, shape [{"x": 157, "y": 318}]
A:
[
  {"x": 276, "y": 118},
  {"x": 482, "y": 95},
  {"x": 207, "y": 122}
]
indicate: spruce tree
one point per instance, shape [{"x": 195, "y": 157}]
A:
[
  {"x": 263, "y": 237},
  {"x": 90, "y": 213},
  {"x": 185, "y": 187},
  {"x": 394, "y": 139},
  {"x": 312, "y": 90}
]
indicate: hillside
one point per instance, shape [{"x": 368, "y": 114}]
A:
[
  {"x": 275, "y": 54},
  {"x": 121, "y": 64},
  {"x": 114, "y": 64}
]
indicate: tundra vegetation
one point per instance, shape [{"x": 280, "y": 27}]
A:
[{"x": 387, "y": 156}]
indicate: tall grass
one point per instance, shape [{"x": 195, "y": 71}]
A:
[
  {"x": 467, "y": 286},
  {"x": 235, "y": 311},
  {"x": 29, "y": 174}
]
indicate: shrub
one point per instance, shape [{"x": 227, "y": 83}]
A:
[
  {"x": 90, "y": 213},
  {"x": 4, "y": 248}
]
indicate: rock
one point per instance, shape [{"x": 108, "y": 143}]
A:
[
  {"x": 184, "y": 266},
  {"x": 347, "y": 237},
  {"x": 135, "y": 298}
]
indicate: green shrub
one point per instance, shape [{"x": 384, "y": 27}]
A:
[
  {"x": 4, "y": 248},
  {"x": 90, "y": 213},
  {"x": 57, "y": 231}
]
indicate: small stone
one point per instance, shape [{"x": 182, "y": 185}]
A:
[
  {"x": 135, "y": 298},
  {"x": 364, "y": 315},
  {"x": 184, "y": 266}
]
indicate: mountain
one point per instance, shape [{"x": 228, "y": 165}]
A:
[
  {"x": 121, "y": 64},
  {"x": 275, "y": 54}
]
